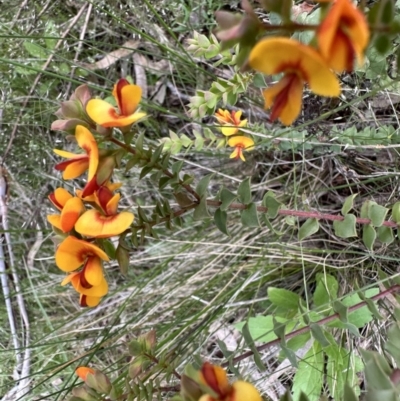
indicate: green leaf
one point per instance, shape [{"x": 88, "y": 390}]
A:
[
  {"x": 341, "y": 310},
  {"x": 262, "y": 327},
  {"x": 226, "y": 197},
  {"x": 282, "y": 298},
  {"x": 249, "y": 216},
  {"x": 220, "y": 219},
  {"x": 145, "y": 170},
  {"x": 109, "y": 248},
  {"x": 396, "y": 211},
  {"x": 202, "y": 186},
  {"x": 244, "y": 191},
  {"x": 382, "y": 43},
  {"x": 177, "y": 167},
  {"x": 35, "y": 50},
  {"x": 349, "y": 394},
  {"x": 326, "y": 289},
  {"x": 369, "y": 236},
  {"x": 348, "y": 204},
  {"x": 346, "y": 228},
  {"x": 310, "y": 227},
  {"x": 377, "y": 214},
  {"x": 309, "y": 376},
  {"x": 319, "y": 335},
  {"x": 250, "y": 342},
  {"x": 139, "y": 142},
  {"x": 271, "y": 204},
  {"x": 156, "y": 155},
  {"x": 201, "y": 211},
  {"x": 385, "y": 234}
]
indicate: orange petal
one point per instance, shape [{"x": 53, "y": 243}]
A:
[
  {"x": 343, "y": 53},
  {"x": 93, "y": 224},
  {"x": 85, "y": 300},
  {"x": 124, "y": 121},
  {"x": 215, "y": 377},
  {"x": 96, "y": 291},
  {"x": 87, "y": 142},
  {"x": 73, "y": 252},
  {"x": 59, "y": 197},
  {"x": 129, "y": 98},
  {"x": 112, "y": 205},
  {"x": 69, "y": 278},
  {"x": 93, "y": 271},
  {"x": 83, "y": 371},
  {"x": 237, "y": 154},
  {"x": 277, "y": 55},
  {"x": 73, "y": 168},
  {"x": 244, "y": 391},
  {"x": 70, "y": 213}
]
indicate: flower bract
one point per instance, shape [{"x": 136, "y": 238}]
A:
[
  {"x": 300, "y": 64},
  {"x": 230, "y": 121},
  {"x": 127, "y": 97},
  {"x": 83, "y": 371},
  {"x": 343, "y": 36}
]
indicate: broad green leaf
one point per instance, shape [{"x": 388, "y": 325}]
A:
[
  {"x": 220, "y": 219},
  {"x": 385, "y": 234},
  {"x": 35, "y": 50},
  {"x": 369, "y": 236},
  {"x": 348, "y": 204},
  {"x": 310, "y": 373},
  {"x": 262, "y": 327},
  {"x": 347, "y": 227},
  {"x": 310, "y": 227},
  {"x": 226, "y": 197},
  {"x": 244, "y": 191},
  {"x": 249, "y": 216},
  {"x": 289, "y": 354},
  {"x": 201, "y": 211},
  {"x": 282, "y": 298},
  {"x": 341, "y": 310},
  {"x": 359, "y": 317},
  {"x": 202, "y": 186},
  {"x": 396, "y": 211},
  {"x": 377, "y": 214},
  {"x": 349, "y": 394},
  {"x": 299, "y": 341},
  {"x": 318, "y": 334},
  {"x": 326, "y": 289},
  {"x": 272, "y": 204}
]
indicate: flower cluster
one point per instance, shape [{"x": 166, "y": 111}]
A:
[
  {"x": 230, "y": 124},
  {"x": 341, "y": 38},
  {"x": 91, "y": 214}
]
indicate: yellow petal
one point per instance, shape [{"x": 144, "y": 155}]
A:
[
  {"x": 55, "y": 220},
  {"x": 242, "y": 141},
  {"x": 237, "y": 153},
  {"x": 112, "y": 205},
  {"x": 93, "y": 271},
  {"x": 277, "y": 55},
  {"x": 73, "y": 252},
  {"x": 65, "y": 154},
  {"x": 97, "y": 291},
  {"x": 93, "y": 224},
  {"x": 244, "y": 391},
  {"x": 86, "y": 300},
  {"x": 105, "y": 115},
  {"x": 60, "y": 197},
  {"x": 70, "y": 214},
  {"x": 229, "y": 130},
  {"x": 87, "y": 142},
  {"x": 68, "y": 278}
]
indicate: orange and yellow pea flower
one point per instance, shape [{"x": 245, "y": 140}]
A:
[
  {"x": 127, "y": 97},
  {"x": 300, "y": 64},
  {"x": 221, "y": 390},
  {"x": 107, "y": 222},
  {"x": 77, "y": 164},
  {"x": 230, "y": 121},
  {"x": 343, "y": 36},
  {"x": 240, "y": 143},
  {"x": 71, "y": 208},
  {"x": 83, "y": 371}
]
